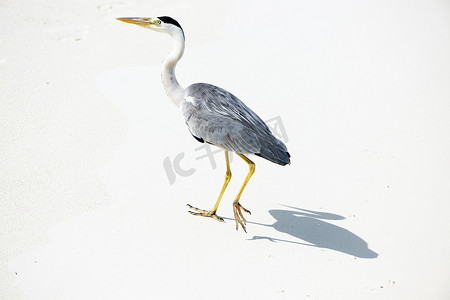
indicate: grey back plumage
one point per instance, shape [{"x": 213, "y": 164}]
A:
[{"x": 216, "y": 116}]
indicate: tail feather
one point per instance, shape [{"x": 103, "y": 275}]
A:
[{"x": 274, "y": 151}]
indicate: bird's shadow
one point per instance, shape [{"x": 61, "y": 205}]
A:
[{"x": 309, "y": 227}]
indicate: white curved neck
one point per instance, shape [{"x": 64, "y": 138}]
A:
[{"x": 170, "y": 83}]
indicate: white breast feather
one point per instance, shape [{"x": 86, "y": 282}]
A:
[{"x": 190, "y": 100}]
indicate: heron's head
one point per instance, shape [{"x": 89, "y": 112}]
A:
[{"x": 161, "y": 24}]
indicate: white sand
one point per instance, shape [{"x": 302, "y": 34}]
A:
[{"x": 87, "y": 210}]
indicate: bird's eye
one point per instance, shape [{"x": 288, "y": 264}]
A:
[{"x": 157, "y": 22}]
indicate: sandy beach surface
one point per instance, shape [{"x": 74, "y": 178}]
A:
[{"x": 97, "y": 166}]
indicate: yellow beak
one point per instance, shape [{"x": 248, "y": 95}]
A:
[{"x": 140, "y": 21}]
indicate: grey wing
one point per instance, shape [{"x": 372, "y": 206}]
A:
[
  {"x": 211, "y": 117},
  {"x": 218, "y": 117}
]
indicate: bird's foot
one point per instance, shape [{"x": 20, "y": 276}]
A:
[
  {"x": 204, "y": 213},
  {"x": 240, "y": 220}
]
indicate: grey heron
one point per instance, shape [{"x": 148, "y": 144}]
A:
[{"x": 215, "y": 116}]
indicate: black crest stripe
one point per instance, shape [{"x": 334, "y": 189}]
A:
[{"x": 169, "y": 20}]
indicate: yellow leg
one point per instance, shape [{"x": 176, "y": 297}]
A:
[
  {"x": 237, "y": 208},
  {"x": 212, "y": 213}
]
